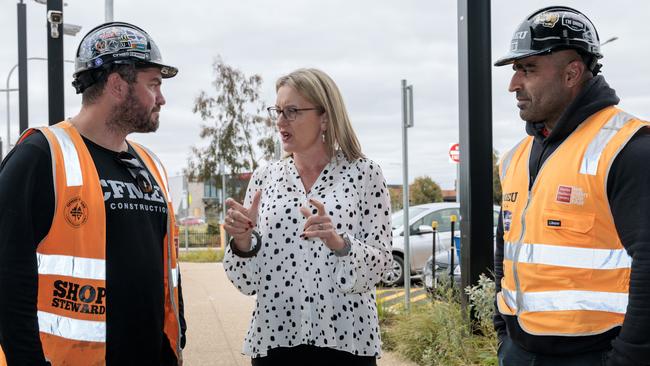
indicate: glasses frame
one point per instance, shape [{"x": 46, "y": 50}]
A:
[
  {"x": 274, "y": 112},
  {"x": 137, "y": 170}
]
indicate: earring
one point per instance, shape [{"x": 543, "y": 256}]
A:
[{"x": 323, "y": 135}]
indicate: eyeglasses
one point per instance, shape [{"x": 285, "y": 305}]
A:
[
  {"x": 289, "y": 113},
  {"x": 137, "y": 170}
]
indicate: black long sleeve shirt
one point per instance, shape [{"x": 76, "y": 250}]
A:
[
  {"x": 628, "y": 190},
  {"x": 135, "y": 228}
]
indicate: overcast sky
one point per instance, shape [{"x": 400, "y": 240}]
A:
[{"x": 366, "y": 46}]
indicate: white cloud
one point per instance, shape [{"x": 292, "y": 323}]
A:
[{"x": 366, "y": 46}]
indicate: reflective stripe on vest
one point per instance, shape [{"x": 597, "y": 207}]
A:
[
  {"x": 69, "y": 266},
  {"x": 507, "y": 158},
  {"x": 69, "y": 328},
  {"x": 597, "y": 145},
  {"x": 564, "y": 256},
  {"x": 614, "y": 302},
  {"x": 175, "y": 276},
  {"x": 71, "y": 163}
]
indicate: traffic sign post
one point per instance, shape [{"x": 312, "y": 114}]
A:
[
  {"x": 454, "y": 153},
  {"x": 454, "y": 158}
]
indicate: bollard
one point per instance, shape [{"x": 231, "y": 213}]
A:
[
  {"x": 452, "y": 250},
  {"x": 434, "y": 226}
]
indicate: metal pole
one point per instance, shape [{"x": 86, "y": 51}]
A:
[
  {"x": 475, "y": 126},
  {"x": 22, "y": 70},
  {"x": 108, "y": 10},
  {"x": 7, "y": 90},
  {"x": 55, "y": 63},
  {"x": 434, "y": 227},
  {"x": 222, "y": 171},
  {"x": 407, "y": 121}
]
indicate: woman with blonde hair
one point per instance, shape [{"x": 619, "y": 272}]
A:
[{"x": 313, "y": 236}]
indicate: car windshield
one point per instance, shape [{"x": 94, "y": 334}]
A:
[{"x": 398, "y": 217}]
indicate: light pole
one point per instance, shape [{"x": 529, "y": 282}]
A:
[
  {"x": 609, "y": 40},
  {"x": 108, "y": 10},
  {"x": 7, "y": 90}
]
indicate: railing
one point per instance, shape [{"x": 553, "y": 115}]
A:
[{"x": 192, "y": 239}]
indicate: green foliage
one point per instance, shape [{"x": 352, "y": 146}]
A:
[
  {"x": 438, "y": 333},
  {"x": 234, "y": 119},
  {"x": 481, "y": 298},
  {"x": 424, "y": 190},
  {"x": 396, "y": 199},
  {"x": 496, "y": 181},
  {"x": 201, "y": 256}
]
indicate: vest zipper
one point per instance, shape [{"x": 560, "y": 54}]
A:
[{"x": 531, "y": 185}]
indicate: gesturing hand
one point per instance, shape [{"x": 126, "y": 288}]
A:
[
  {"x": 241, "y": 220},
  {"x": 320, "y": 226}
]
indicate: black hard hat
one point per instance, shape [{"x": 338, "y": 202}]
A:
[
  {"x": 115, "y": 43},
  {"x": 554, "y": 28}
]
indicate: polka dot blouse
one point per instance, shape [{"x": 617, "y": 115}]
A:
[{"x": 305, "y": 293}]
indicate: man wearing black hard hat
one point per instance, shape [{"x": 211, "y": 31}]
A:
[
  {"x": 572, "y": 261},
  {"x": 88, "y": 262}
]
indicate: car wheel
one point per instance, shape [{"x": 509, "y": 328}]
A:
[{"x": 394, "y": 276}]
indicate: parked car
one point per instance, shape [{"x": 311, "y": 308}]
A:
[
  {"x": 421, "y": 237},
  {"x": 434, "y": 273},
  {"x": 191, "y": 220}
]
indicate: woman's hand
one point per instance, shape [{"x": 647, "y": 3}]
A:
[
  {"x": 320, "y": 226},
  {"x": 240, "y": 221}
]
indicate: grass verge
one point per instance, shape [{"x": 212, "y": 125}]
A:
[{"x": 201, "y": 255}]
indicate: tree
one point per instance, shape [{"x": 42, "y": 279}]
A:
[
  {"x": 396, "y": 198},
  {"x": 235, "y": 122},
  {"x": 496, "y": 180},
  {"x": 424, "y": 190}
]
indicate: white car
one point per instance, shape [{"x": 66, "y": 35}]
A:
[{"x": 421, "y": 238}]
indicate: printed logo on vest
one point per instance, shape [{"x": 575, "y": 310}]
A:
[
  {"x": 571, "y": 195},
  {"x": 507, "y": 219},
  {"x": 79, "y": 298},
  {"x": 76, "y": 212},
  {"x": 554, "y": 223},
  {"x": 510, "y": 197}
]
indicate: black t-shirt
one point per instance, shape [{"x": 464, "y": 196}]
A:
[{"x": 136, "y": 224}]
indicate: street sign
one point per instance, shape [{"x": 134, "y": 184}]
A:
[{"x": 454, "y": 153}]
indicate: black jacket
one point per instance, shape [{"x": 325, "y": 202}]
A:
[{"x": 628, "y": 189}]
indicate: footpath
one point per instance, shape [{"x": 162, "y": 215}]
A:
[{"x": 218, "y": 316}]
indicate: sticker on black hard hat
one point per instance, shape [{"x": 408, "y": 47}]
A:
[
  {"x": 573, "y": 24},
  {"x": 547, "y": 20}
]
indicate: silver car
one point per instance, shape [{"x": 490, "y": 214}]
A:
[{"x": 421, "y": 238}]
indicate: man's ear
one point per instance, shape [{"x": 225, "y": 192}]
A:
[
  {"x": 574, "y": 73},
  {"x": 116, "y": 87}
]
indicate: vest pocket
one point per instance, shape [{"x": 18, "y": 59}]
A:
[{"x": 568, "y": 227}]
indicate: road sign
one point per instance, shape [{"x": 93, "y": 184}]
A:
[{"x": 454, "y": 153}]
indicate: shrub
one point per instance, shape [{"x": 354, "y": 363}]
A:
[{"x": 438, "y": 333}]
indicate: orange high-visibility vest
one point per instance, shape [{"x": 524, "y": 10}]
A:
[
  {"x": 565, "y": 271},
  {"x": 72, "y": 256}
]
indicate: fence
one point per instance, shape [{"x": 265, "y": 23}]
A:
[{"x": 193, "y": 239}]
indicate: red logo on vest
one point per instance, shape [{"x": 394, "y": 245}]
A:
[
  {"x": 76, "y": 212},
  {"x": 572, "y": 195},
  {"x": 564, "y": 194}
]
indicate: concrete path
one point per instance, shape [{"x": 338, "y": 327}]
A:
[{"x": 218, "y": 316}]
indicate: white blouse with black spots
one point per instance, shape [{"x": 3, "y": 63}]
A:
[{"x": 306, "y": 294}]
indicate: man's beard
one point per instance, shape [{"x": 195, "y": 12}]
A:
[{"x": 132, "y": 116}]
